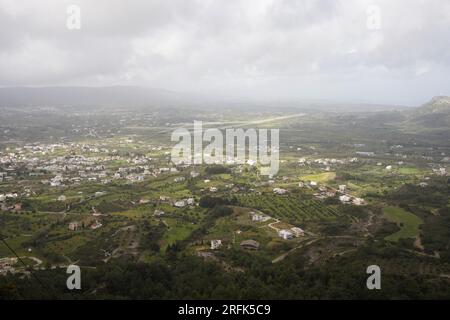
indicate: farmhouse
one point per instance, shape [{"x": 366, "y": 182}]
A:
[
  {"x": 96, "y": 225},
  {"x": 285, "y": 234},
  {"x": 279, "y": 191},
  {"x": 143, "y": 201},
  {"x": 216, "y": 244},
  {"x": 250, "y": 244},
  {"x": 344, "y": 199},
  {"x": 258, "y": 217},
  {"x": 179, "y": 179},
  {"x": 358, "y": 201},
  {"x": 73, "y": 226},
  {"x": 180, "y": 204}
]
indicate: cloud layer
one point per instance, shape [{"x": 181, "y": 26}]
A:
[{"x": 268, "y": 49}]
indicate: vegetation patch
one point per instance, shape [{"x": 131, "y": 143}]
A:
[{"x": 408, "y": 223}]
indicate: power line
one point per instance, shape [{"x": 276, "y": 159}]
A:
[{"x": 25, "y": 265}]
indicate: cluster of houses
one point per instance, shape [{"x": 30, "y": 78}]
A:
[
  {"x": 440, "y": 171},
  {"x": 180, "y": 203},
  {"x": 345, "y": 198},
  {"x": 329, "y": 192},
  {"x": 4, "y": 204},
  {"x": 284, "y": 233},
  {"x": 326, "y": 163},
  {"x": 41, "y": 160},
  {"x": 249, "y": 244},
  {"x": 9, "y": 195},
  {"x": 325, "y": 192}
]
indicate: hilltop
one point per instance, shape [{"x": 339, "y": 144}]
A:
[{"x": 433, "y": 114}]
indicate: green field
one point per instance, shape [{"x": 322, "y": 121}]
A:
[
  {"x": 408, "y": 222},
  {"x": 176, "y": 231},
  {"x": 320, "y": 177}
]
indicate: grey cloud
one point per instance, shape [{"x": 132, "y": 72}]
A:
[{"x": 264, "y": 48}]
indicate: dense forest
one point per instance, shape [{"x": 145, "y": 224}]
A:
[{"x": 181, "y": 276}]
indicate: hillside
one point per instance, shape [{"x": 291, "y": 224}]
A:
[{"x": 434, "y": 114}]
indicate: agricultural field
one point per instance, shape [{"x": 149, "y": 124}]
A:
[
  {"x": 409, "y": 223},
  {"x": 290, "y": 208}
]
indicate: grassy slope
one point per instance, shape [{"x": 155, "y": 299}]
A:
[{"x": 410, "y": 223}]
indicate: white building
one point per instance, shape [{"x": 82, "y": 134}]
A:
[
  {"x": 285, "y": 234},
  {"x": 258, "y": 217},
  {"x": 344, "y": 199},
  {"x": 279, "y": 191},
  {"x": 180, "y": 204},
  {"x": 158, "y": 213},
  {"x": 216, "y": 244}
]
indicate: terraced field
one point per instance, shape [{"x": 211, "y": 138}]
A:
[{"x": 290, "y": 208}]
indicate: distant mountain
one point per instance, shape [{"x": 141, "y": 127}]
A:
[
  {"x": 434, "y": 114},
  {"x": 143, "y": 97},
  {"x": 120, "y": 96}
]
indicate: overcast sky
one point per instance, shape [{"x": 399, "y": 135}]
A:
[{"x": 334, "y": 50}]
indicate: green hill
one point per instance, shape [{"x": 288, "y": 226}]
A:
[{"x": 434, "y": 114}]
